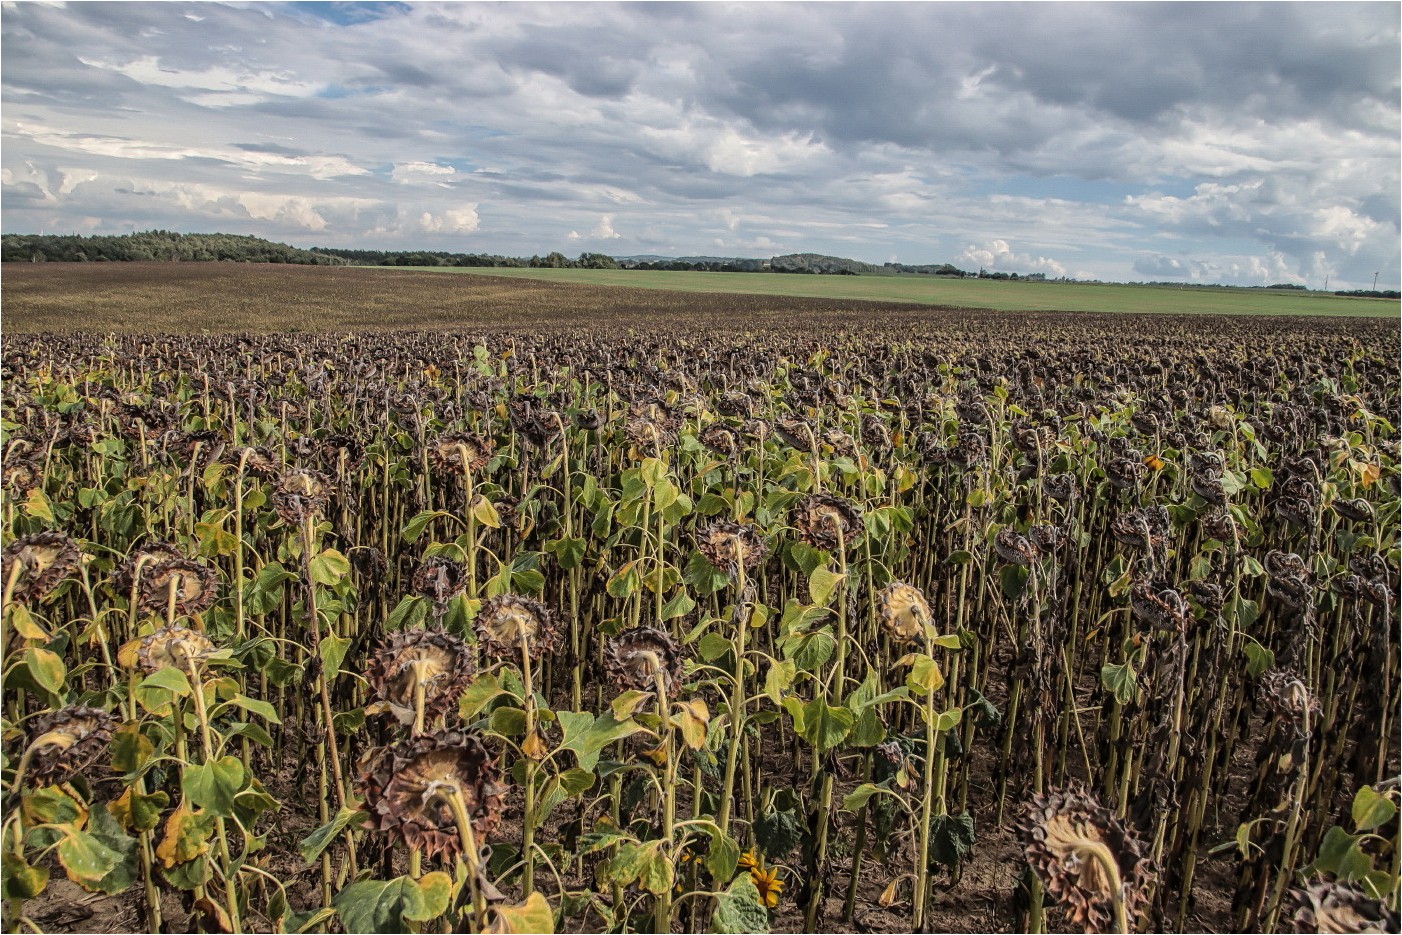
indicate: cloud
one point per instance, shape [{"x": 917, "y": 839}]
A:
[
  {"x": 460, "y": 220},
  {"x": 602, "y": 231},
  {"x": 998, "y": 255},
  {"x": 1172, "y": 267},
  {"x": 420, "y": 173},
  {"x": 924, "y": 131}
]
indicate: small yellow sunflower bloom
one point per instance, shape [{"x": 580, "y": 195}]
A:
[{"x": 769, "y": 885}]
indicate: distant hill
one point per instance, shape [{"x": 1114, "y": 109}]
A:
[
  {"x": 153, "y": 245},
  {"x": 815, "y": 263}
]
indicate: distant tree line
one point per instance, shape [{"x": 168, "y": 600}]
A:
[
  {"x": 696, "y": 264},
  {"x": 152, "y": 245},
  {"x": 1373, "y": 293},
  {"x": 943, "y": 269},
  {"x": 553, "y": 260}
]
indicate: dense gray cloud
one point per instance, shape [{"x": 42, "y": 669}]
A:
[{"x": 1212, "y": 142}]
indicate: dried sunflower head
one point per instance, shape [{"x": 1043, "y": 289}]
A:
[
  {"x": 1208, "y": 595},
  {"x": 440, "y": 579},
  {"x": 1015, "y": 549},
  {"x": 1287, "y": 696},
  {"x": 635, "y": 657},
  {"x": 720, "y": 440},
  {"x": 67, "y": 742},
  {"x": 23, "y": 474},
  {"x": 340, "y": 449},
  {"x": 1208, "y": 486},
  {"x": 796, "y": 433},
  {"x": 735, "y": 403},
  {"x": 300, "y": 494},
  {"x": 1060, "y": 487},
  {"x": 448, "y": 454},
  {"x": 436, "y": 660},
  {"x": 904, "y": 611},
  {"x": 723, "y": 543},
  {"x": 1137, "y": 529},
  {"x": 652, "y": 425},
  {"x": 1358, "y": 510},
  {"x": 840, "y": 442},
  {"x": 175, "y": 646},
  {"x": 970, "y": 450},
  {"x": 1124, "y": 473},
  {"x": 32, "y": 566},
  {"x": 1217, "y": 524},
  {"x": 1288, "y": 579},
  {"x": 1071, "y": 842},
  {"x": 1159, "y": 608},
  {"x": 194, "y": 587},
  {"x": 824, "y": 521},
  {"x": 1048, "y": 538},
  {"x": 507, "y": 621},
  {"x": 1332, "y": 906},
  {"x": 136, "y": 567},
  {"x": 757, "y": 429},
  {"x": 409, "y": 787},
  {"x": 256, "y": 460}
]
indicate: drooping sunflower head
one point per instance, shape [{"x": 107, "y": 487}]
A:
[
  {"x": 508, "y": 623},
  {"x": 1208, "y": 595},
  {"x": 1060, "y": 487},
  {"x": 825, "y": 521},
  {"x": 735, "y": 403},
  {"x": 409, "y": 790},
  {"x": 904, "y": 611},
  {"x": 1158, "y": 607},
  {"x": 796, "y": 433},
  {"x": 193, "y": 586},
  {"x": 1357, "y": 510},
  {"x": 300, "y": 494},
  {"x": 67, "y": 742},
  {"x": 430, "y": 660},
  {"x": 175, "y": 646},
  {"x": 36, "y": 564},
  {"x": 256, "y": 460},
  {"x": 840, "y": 442},
  {"x": 720, "y": 440},
  {"x": 1047, "y": 537},
  {"x": 1073, "y": 843},
  {"x": 449, "y": 454},
  {"x": 725, "y": 543},
  {"x": 1288, "y": 579},
  {"x": 1013, "y": 548},
  {"x": 137, "y": 566},
  {"x": 23, "y": 474},
  {"x": 440, "y": 579},
  {"x": 1331, "y": 906},
  {"x": 636, "y": 657},
  {"x": 1287, "y": 696},
  {"x": 652, "y": 427}
]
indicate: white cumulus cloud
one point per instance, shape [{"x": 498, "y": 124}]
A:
[
  {"x": 999, "y": 256},
  {"x": 602, "y": 231}
]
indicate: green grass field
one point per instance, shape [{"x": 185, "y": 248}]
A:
[{"x": 970, "y": 293}]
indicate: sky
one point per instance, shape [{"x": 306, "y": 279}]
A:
[{"x": 1248, "y": 144}]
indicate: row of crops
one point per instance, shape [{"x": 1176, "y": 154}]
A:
[{"x": 621, "y": 632}]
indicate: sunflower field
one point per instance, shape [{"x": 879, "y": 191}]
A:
[{"x": 1032, "y": 624}]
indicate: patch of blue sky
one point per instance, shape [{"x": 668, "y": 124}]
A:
[
  {"x": 465, "y": 130},
  {"x": 335, "y": 92},
  {"x": 348, "y": 13},
  {"x": 1087, "y": 191}
]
